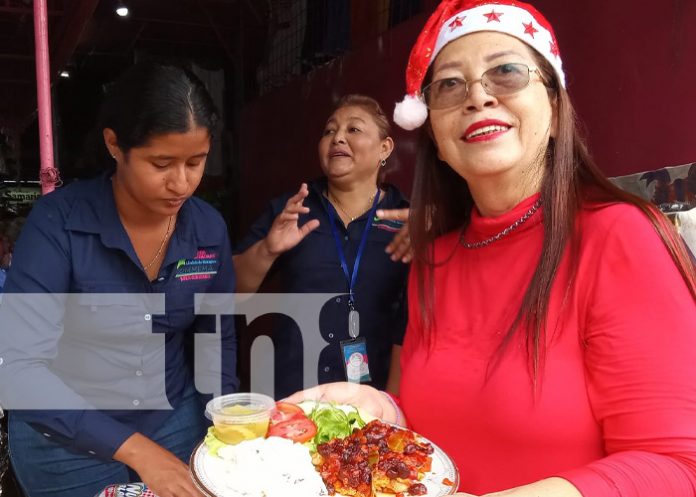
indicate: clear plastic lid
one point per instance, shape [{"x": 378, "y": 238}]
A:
[{"x": 239, "y": 408}]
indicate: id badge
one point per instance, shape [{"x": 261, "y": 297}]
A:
[{"x": 354, "y": 353}]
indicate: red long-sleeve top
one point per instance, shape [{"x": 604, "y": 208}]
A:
[{"x": 614, "y": 411}]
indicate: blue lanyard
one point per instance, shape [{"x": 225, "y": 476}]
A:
[{"x": 352, "y": 278}]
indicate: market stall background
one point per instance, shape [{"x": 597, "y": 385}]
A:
[{"x": 276, "y": 66}]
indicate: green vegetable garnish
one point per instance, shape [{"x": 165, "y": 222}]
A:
[
  {"x": 212, "y": 442},
  {"x": 332, "y": 422}
]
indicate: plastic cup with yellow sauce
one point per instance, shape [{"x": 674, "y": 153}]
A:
[{"x": 240, "y": 416}]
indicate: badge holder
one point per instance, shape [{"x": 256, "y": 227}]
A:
[{"x": 354, "y": 350}]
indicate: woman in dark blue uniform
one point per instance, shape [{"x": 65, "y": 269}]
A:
[
  {"x": 109, "y": 361},
  {"x": 328, "y": 238}
]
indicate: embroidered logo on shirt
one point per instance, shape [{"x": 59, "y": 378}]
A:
[
  {"x": 201, "y": 267},
  {"x": 387, "y": 225}
]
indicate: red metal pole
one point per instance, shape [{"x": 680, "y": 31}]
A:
[{"x": 49, "y": 174}]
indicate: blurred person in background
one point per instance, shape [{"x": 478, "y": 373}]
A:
[{"x": 344, "y": 234}]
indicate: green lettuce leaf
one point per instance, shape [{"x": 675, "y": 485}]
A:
[
  {"x": 212, "y": 442},
  {"x": 333, "y": 422}
]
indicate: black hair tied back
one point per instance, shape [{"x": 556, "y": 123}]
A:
[{"x": 151, "y": 99}]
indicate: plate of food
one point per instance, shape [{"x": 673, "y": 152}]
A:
[{"x": 322, "y": 449}]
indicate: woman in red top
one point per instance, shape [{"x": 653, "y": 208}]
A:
[{"x": 550, "y": 348}]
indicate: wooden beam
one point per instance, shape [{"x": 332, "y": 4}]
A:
[
  {"x": 73, "y": 27},
  {"x": 27, "y": 10},
  {"x": 254, "y": 11},
  {"x": 213, "y": 25},
  {"x": 173, "y": 41},
  {"x": 136, "y": 36},
  {"x": 170, "y": 21},
  {"x": 17, "y": 81},
  {"x": 16, "y": 56}
]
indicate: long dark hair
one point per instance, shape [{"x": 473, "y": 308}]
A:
[
  {"x": 442, "y": 202},
  {"x": 147, "y": 100}
]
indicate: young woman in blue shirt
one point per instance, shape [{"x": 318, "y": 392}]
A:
[{"x": 134, "y": 230}]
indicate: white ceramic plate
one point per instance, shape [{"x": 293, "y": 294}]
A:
[{"x": 208, "y": 473}]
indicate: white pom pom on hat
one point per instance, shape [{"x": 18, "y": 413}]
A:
[
  {"x": 410, "y": 113},
  {"x": 455, "y": 18}
]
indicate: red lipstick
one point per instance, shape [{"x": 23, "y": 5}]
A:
[{"x": 497, "y": 128}]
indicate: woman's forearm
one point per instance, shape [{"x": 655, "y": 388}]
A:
[
  {"x": 549, "y": 487},
  {"x": 251, "y": 267}
]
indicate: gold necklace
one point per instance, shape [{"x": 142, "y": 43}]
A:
[
  {"x": 333, "y": 198},
  {"x": 161, "y": 247}
]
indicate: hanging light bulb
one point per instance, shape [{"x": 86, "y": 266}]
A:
[{"x": 121, "y": 9}]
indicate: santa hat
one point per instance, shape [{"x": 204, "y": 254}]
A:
[{"x": 455, "y": 18}]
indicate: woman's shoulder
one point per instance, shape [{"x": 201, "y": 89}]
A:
[
  {"x": 203, "y": 212},
  {"x": 601, "y": 217},
  {"x": 620, "y": 231},
  {"x": 78, "y": 188},
  {"x": 205, "y": 221},
  {"x": 393, "y": 196},
  {"x": 446, "y": 243},
  {"x": 61, "y": 201}
]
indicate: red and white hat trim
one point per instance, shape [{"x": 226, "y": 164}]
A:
[
  {"x": 511, "y": 17},
  {"x": 507, "y": 19}
]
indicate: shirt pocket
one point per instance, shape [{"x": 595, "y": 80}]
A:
[
  {"x": 180, "y": 305},
  {"x": 111, "y": 311}
]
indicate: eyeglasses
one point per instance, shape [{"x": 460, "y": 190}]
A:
[{"x": 497, "y": 81}]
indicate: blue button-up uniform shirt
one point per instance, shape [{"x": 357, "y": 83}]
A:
[
  {"x": 73, "y": 242},
  {"x": 313, "y": 266}
]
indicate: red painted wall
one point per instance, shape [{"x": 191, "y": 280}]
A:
[
  {"x": 280, "y": 131},
  {"x": 632, "y": 76},
  {"x": 631, "y": 73}
]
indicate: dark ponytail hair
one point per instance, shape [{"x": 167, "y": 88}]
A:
[{"x": 150, "y": 99}]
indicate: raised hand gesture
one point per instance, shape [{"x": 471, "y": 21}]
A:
[{"x": 285, "y": 232}]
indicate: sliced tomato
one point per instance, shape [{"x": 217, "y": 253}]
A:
[
  {"x": 284, "y": 411},
  {"x": 299, "y": 429}
]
